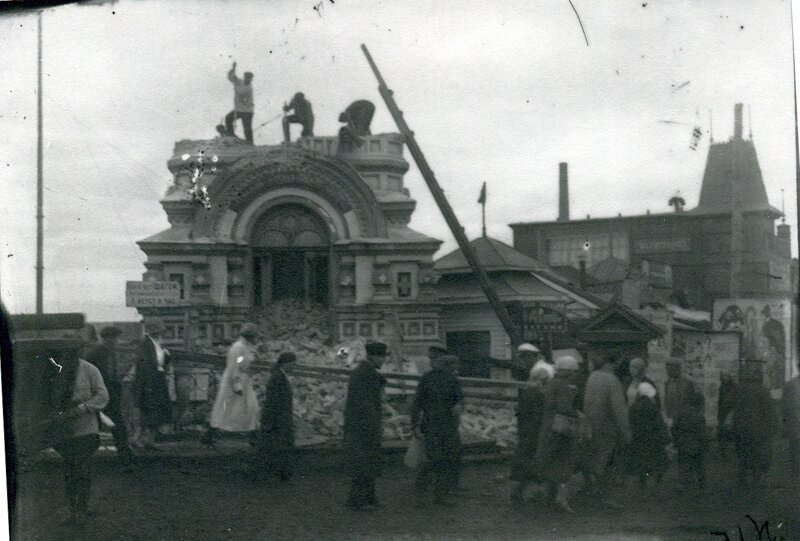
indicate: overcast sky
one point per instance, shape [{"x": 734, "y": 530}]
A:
[{"x": 495, "y": 92}]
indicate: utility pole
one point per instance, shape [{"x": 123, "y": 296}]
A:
[
  {"x": 736, "y": 205},
  {"x": 39, "y": 183}
]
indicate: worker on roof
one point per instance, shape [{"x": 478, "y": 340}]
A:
[
  {"x": 303, "y": 115},
  {"x": 243, "y": 107}
]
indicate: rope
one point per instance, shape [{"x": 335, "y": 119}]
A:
[{"x": 273, "y": 119}]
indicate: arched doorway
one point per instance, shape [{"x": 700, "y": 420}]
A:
[{"x": 291, "y": 256}]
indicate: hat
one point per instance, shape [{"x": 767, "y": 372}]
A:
[
  {"x": 645, "y": 389},
  {"x": 377, "y": 349},
  {"x": 528, "y": 347},
  {"x": 436, "y": 350},
  {"x": 567, "y": 362},
  {"x": 110, "y": 332},
  {"x": 286, "y": 357},
  {"x": 248, "y": 329}
]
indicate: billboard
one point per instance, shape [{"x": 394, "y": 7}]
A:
[{"x": 766, "y": 328}]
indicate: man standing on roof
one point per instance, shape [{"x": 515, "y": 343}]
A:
[{"x": 243, "y": 107}]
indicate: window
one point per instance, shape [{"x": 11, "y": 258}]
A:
[
  {"x": 404, "y": 285},
  {"x": 202, "y": 331},
  {"x": 177, "y": 278}
]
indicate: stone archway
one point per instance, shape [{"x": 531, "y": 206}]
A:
[{"x": 290, "y": 244}]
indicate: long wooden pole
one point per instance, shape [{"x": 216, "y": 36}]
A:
[
  {"x": 39, "y": 184},
  {"x": 438, "y": 195}
]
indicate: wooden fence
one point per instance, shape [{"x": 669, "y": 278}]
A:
[{"x": 474, "y": 388}]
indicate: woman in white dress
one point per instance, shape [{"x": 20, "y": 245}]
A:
[{"x": 236, "y": 408}]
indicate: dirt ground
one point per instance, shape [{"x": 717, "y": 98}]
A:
[{"x": 182, "y": 498}]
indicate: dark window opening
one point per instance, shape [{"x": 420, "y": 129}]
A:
[
  {"x": 404, "y": 285},
  {"x": 177, "y": 278}
]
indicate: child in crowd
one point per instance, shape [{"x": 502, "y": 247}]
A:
[{"x": 689, "y": 436}]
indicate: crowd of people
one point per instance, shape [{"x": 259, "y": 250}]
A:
[
  {"x": 596, "y": 427},
  {"x": 604, "y": 429}
]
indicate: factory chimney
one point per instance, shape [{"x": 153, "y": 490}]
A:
[
  {"x": 563, "y": 193},
  {"x": 737, "y": 121}
]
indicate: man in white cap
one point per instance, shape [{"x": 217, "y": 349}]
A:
[{"x": 530, "y": 358}]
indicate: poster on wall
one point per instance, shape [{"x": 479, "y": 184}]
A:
[
  {"x": 704, "y": 355},
  {"x": 766, "y": 327}
]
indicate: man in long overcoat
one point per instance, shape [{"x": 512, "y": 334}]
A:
[
  {"x": 276, "y": 441},
  {"x": 435, "y": 418},
  {"x": 363, "y": 428},
  {"x": 151, "y": 391}
]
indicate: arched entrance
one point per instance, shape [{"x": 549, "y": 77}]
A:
[{"x": 291, "y": 256}]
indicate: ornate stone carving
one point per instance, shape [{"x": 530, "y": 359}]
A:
[{"x": 258, "y": 173}]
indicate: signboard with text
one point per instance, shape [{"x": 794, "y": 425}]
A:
[
  {"x": 658, "y": 246},
  {"x": 152, "y": 294}
]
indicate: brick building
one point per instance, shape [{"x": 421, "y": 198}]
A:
[{"x": 727, "y": 246}]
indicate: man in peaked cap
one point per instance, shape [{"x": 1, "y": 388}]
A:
[{"x": 363, "y": 428}]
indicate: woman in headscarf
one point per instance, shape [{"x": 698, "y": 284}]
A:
[
  {"x": 557, "y": 450},
  {"x": 77, "y": 393},
  {"x": 530, "y": 410},
  {"x": 647, "y": 453},
  {"x": 276, "y": 442}
]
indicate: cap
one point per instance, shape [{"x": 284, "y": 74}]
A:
[
  {"x": 528, "y": 347},
  {"x": 436, "y": 350},
  {"x": 248, "y": 329},
  {"x": 286, "y": 357},
  {"x": 110, "y": 332},
  {"x": 377, "y": 349}
]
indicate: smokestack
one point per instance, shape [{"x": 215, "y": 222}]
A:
[
  {"x": 737, "y": 121},
  {"x": 563, "y": 193}
]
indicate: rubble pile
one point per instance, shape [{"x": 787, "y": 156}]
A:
[
  {"x": 319, "y": 401},
  {"x": 490, "y": 420}
]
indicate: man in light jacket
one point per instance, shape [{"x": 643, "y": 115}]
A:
[{"x": 243, "y": 106}]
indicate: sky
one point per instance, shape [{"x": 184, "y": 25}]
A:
[{"x": 497, "y": 94}]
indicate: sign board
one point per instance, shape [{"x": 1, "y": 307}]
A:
[
  {"x": 766, "y": 329},
  {"x": 537, "y": 319},
  {"x": 152, "y": 294},
  {"x": 660, "y": 246}
]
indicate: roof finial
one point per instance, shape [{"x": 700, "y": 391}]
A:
[
  {"x": 783, "y": 209},
  {"x": 750, "y": 121}
]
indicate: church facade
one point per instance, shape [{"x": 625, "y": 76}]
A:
[{"x": 306, "y": 222}]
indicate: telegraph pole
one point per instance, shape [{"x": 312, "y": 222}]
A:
[{"x": 39, "y": 182}]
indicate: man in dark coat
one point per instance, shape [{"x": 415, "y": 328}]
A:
[
  {"x": 755, "y": 424},
  {"x": 363, "y": 427},
  {"x": 276, "y": 447},
  {"x": 104, "y": 357},
  {"x": 434, "y": 417},
  {"x": 303, "y": 115},
  {"x": 152, "y": 394}
]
